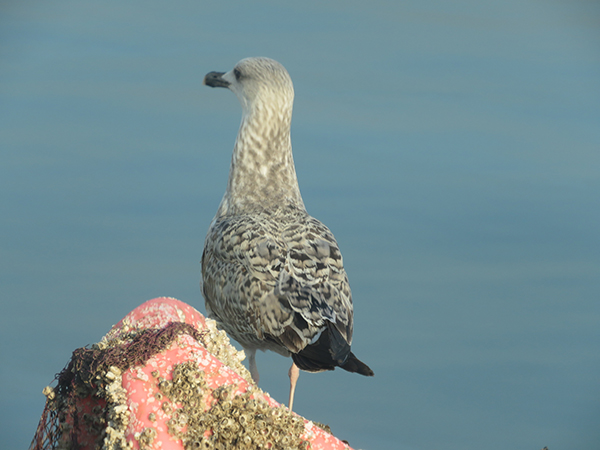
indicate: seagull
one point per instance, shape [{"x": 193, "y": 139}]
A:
[{"x": 272, "y": 275}]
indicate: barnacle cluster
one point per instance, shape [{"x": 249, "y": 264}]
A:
[
  {"x": 243, "y": 421},
  {"x": 218, "y": 344},
  {"x": 117, "y": 413}
]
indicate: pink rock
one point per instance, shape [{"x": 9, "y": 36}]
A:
[{"x": 133, "y": 402}]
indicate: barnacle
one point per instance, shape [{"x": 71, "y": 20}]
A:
[
  {"x": 49, "y": 392},
  {"x": 224, "y": 435},
  {"x": 194, "y": 402},
  {"x": 226, "y": 406},
  {"x": 197, "y": 377},
  {"x": 112, "y": 373},
  {"x": 222, "y": 392},
  {"x": 201, "y": 444},
  {"x": 244, "y": 419},
  {"x": 177, "y": 392},
  {"x": 165, "y": 386},
  {"x": 181, "y": 417},
  {"x": 261, "y": 425},
  {"x": 227, "y": 422},
  {"x": 262, "y": 407},
  {"x": 146, "y": 437}
]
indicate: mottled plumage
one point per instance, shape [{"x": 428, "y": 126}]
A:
[{"x": 273, "y": 276}]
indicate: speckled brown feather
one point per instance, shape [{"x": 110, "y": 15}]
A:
[{"x": 272, "y": 280}]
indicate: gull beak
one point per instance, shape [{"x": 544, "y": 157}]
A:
[{"x": 215, "y": 79}]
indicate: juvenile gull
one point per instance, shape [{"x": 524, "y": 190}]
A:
[{"x": 273, "y": 276}]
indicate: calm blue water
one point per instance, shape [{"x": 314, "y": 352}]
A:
[{"x": 452, "y": 147}]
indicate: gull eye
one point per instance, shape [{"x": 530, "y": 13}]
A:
[{"x": 237, "y": 74}]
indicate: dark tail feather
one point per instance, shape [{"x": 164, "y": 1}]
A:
[
  {"x": 329, "y": 352},
  {"x": 353, "y": 364}
]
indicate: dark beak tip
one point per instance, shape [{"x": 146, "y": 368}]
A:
[{"x": 215, "y": 79}]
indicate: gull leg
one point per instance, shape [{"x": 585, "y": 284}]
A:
[
  {"x": 252, "y": 365},
  {"x": 294, "y": 373}
]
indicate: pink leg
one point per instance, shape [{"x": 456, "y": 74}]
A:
[
  {"x": 252, "y": 364},
  {"x": 294, "y": 373}
]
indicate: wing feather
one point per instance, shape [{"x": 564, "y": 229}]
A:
[{"x": 276, "y": 282}]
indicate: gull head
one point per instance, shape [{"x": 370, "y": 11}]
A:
[{"x": 260, "y": 84}]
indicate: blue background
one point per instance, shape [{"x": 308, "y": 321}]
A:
[{"x": 452, "y": 147}]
